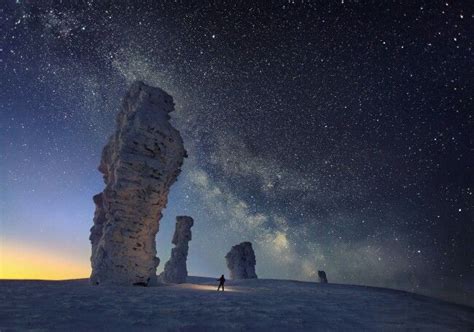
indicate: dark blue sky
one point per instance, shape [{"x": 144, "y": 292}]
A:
[{"x": 335, "y": 136}]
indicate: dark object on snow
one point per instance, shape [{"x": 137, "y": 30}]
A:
[
  {"x": 221, "y": 283},
  {"x": 144, "y": 284},
  {"x": 322, "y": 277},
  {"x": 141, "y": 283}
]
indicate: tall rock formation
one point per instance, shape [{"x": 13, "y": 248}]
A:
[
  {"x": 175, "y": 269},
  {"x": 241, "y": 261},
  {"x": 140, "y": 162}
]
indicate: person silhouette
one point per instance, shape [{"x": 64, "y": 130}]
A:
[{"x": 221, "y": 283}]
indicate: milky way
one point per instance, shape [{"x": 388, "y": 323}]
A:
[{"x": 334, "y": 137}]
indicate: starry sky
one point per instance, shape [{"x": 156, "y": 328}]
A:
[{"x": 333, "y": 135}]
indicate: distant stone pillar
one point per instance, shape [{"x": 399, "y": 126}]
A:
[
  {"x": 241, "y": 261},
  {"x": 175, "y": 269},
  {"x": 322, "y": 277},
  {"x": 140, "y": 162}
]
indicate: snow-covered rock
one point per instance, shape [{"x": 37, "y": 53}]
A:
[
  {"x": 241, "y": 261},
  {"x": 140, "y": 162},
  {"x": 175, "y": 269}
]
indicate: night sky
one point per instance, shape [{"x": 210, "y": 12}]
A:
[{"x": 333, "y": 136}]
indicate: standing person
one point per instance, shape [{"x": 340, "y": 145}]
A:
[{"x": 221, "y": 283}]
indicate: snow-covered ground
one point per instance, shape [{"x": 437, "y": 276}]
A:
[{"x": 277, "y": 305}]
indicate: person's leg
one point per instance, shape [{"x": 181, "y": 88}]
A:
[{"x": 222, "y": 287}]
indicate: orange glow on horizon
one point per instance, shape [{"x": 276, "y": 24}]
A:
[{"x": 22, "y": 262}]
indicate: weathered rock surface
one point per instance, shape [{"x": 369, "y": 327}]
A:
[
  {"x": 175, "y": 269},
  {"x": 241, "y": 261},
  {"x": 140, "y": 162}
]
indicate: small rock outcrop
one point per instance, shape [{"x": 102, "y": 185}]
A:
[
  {"x": 322, "y": 277},
  {"x": 140, "y": 162},
  {"x": 241, "y": 261},
  {"x": 175, "y": 269}
]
